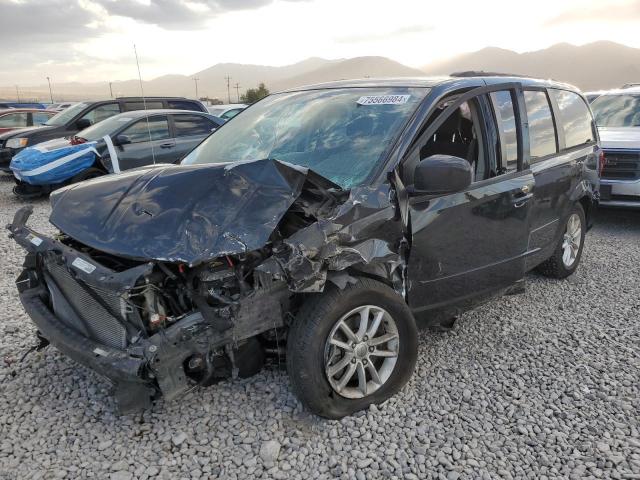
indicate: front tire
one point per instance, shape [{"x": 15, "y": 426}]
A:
[
  {"x": 350, "y": 348},
  {"x": 568, "y": 252}
]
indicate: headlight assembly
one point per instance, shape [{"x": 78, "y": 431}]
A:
[{"x": 17, "y": 142}]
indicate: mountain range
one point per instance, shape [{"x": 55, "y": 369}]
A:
[{"x": 597, "y": 65}]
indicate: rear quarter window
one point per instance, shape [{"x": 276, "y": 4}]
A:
[{"x": 575, "y": 118}]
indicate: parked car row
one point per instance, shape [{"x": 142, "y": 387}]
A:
[
  {"x": 326, "y": 223},
  {"x": 168, "y": 137}
]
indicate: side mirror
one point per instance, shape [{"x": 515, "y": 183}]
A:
[
  {"x": 440, "y": 174},
  {"x": 83, "y": 123},
  {"x": 123, "y": 140}
]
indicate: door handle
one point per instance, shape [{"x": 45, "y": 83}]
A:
[
  {"x": 521, "y": 200},
  {"x": 167, "y": 145}
]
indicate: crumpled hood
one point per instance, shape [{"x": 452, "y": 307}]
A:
[
  {"x": 186, "y": 214},
  {"x": 625, "y": 137}
]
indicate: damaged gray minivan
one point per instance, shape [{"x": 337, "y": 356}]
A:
[{"x": 324, "y": 223}]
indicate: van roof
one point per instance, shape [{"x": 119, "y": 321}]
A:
[{"x": 462, "y": 79}]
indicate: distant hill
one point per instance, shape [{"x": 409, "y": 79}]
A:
[
  {"x": 593, "y": 66},
  {"x": 212, "y": 82},
  {"x": 358, "y": 67},
  {"x": 598, "y": 65}
]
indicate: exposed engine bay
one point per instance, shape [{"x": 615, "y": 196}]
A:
[{"x": 219, "y": 298}]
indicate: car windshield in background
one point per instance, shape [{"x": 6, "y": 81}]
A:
[
  {"x": 63, "y": 117},
  {"x": 105, "y": 127},
  {"x": 339, "y": 133},
  {"x": 617, "y": 110}
]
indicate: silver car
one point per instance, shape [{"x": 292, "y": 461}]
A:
[{"x": 617, "y": 114}]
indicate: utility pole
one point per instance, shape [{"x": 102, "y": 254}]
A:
[
  {"x": 238, "y": 91},
  {"x": 18, "y": 93},
  {"x": 195, "y": 79},
  {"x": 110, "y": 90},
  {"x": 50, "y": 94},
  {"x": 228, "y": 87}
]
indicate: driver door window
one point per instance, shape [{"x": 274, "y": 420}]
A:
[{"x": 460, "y": 136}]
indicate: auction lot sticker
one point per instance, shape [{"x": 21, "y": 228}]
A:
[{"x": 383, "y": 99}]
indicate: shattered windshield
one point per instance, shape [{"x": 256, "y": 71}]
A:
[{"x": 339, "y": 133}]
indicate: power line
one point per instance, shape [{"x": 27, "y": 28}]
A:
[
  {"x": 228, "y": 78},
  {"x": 238, "y": 91},
  {"x": 110, "y": 90}
]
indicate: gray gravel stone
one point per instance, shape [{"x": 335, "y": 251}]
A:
[
  {"x": 538, "y": 385},
  {"x": 269, "y": 452}
]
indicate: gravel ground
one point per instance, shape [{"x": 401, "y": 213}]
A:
[{"x": 538, "y": 385}]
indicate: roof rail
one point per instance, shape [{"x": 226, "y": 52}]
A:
[{"x": 481, "y": 73}]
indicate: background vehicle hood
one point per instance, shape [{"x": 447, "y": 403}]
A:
[
  {"x": 625, "y": 137},
  {"x": 24, "y": 132},
  {"x": 186, "y": 214}
]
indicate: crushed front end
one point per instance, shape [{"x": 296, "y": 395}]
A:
[
  {"x": 151, "y": 328},
  {"x": 160, "y": 296}
]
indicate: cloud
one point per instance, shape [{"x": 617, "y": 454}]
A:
[
  {"x": 378, "y": 36},
  {"x": 44, "y": 22},
  {"x": 620, "y": 12},
  {"x": 177, "y": 14}
]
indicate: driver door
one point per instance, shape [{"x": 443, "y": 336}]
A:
[{"x": 469, "y": 244}]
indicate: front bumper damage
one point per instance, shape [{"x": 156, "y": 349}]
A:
[{"x": 146, "y": 366}]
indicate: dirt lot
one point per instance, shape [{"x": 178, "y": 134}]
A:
[{"x": 542, "y": 384}]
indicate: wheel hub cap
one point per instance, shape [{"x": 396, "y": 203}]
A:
[
  {"x": 361, "y": 351},
  {"x": 571, "y": 240}
]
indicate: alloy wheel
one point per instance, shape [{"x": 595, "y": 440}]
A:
[
  {"x": 572, "y": 240},
  {"x": 361, "y": 351}
]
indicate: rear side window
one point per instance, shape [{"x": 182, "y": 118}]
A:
[
  {"x": 102, "y": 112},
  {"x": 156, "y": 129},
  {"x": 13, "y": 120},
  {"x": 131, "y": 106},
  {"x": 542, "y": 133},
  {"x": 575, "y": 118},
  {"x": 184, "y": 105},
  {"x": 191, "y": 125},
  {"x": 505, "y": 116}
]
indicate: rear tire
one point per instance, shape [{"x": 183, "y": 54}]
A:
[
  {"x": 568, "y": 252},
  {"x": 380, "y": 350}
]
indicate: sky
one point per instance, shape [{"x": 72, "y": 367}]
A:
[{"x": 92, "y": 40}]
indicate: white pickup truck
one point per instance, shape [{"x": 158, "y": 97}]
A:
[{"x": 617, "y": 114}]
